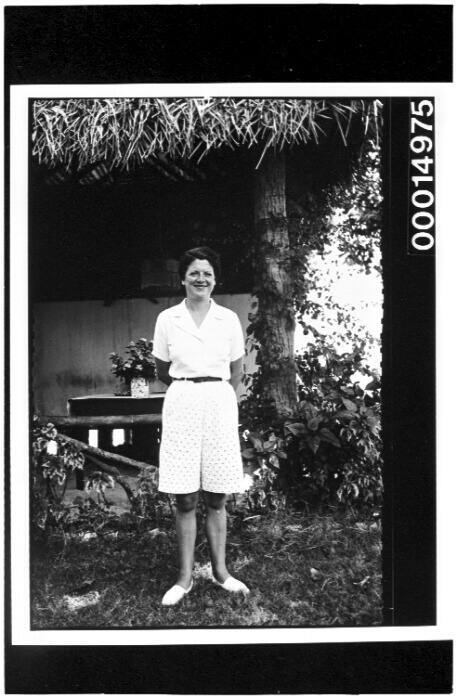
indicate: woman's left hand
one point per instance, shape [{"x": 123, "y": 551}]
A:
[{"x": 236, "y": 372}]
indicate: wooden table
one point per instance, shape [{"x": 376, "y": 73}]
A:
[{"x": 114, "y": 405}]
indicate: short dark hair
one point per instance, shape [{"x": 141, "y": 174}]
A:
[{"x": 199, "y": 253}]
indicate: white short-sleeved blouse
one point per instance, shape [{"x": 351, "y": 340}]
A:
[{"x": 198, "y": 351}]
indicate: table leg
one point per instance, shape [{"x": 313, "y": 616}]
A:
[
  {"x": 82, "y": 435},
  {"x": 105, "y": 438},
  {"x": 144, "y": 442}
]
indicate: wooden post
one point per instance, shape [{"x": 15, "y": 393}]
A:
[
  {"x": 143, "y": 443},
  {"x": 105, "y": 438},
  {"x": 81, "y": 434}
]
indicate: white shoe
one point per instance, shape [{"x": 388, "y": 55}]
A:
[
  {"x": 175, "y": 594},
  {"x": 233, "y": 585}
]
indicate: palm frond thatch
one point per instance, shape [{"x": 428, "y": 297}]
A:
[{"x": 128, "y": 131}]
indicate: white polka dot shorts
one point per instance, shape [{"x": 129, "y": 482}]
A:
[{"x": 200, "y": 446}]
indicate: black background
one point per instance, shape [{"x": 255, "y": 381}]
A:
[
  {"x": 345, "y": 43},
  {"x": 236, "y": 43}
]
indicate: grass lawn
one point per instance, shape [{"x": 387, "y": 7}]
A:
[{"x": 303, "y": 570}]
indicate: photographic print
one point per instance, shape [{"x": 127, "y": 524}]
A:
[{"x": 288, "y": 192}]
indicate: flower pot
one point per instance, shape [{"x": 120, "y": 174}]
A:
[{"x": 139, "y": 387}]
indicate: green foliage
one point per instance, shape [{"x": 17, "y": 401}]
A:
[
  {"x": 336, "y": 438},
  {"x": 356, "y": 211},
  {"x": 53, "y": 460},
  {"x": 335, "y": 452},
  {"x": 263, "y": 451},
  {"x": 138, "y": 363},
  {"x": 330, "y": 451},
  {"x": 342, "y": 224},
  {"x": 258, "y": 409},
  {"x": 147, "y": 503}
]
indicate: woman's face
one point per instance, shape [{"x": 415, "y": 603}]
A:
[{"x": 199, "y": 280}]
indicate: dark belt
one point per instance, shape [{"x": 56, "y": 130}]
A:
[{"x": 199, "y": 379}]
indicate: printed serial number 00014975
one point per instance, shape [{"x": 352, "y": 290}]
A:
[{"x": 422, "y": 197}]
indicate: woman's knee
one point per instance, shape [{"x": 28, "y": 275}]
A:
[
  {"x": 215, "y": 501},
  {"x": 186, "y": 502}
]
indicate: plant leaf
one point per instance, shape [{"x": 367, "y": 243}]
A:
[
  {"x": 327, "y": 435},
  {"x": 269, "y": 446},
  {"x": 313, "y": 442},
  {"x": 344, "y": 414},
  {"x": 255, "y": 440},
  {"x": 349, "y": 405},
  {"x": 313, "y": 423},
  {"x": 297, "y": 428},
  {"x": 273, "y": 460},
  {"x": 248, "y": 453}
]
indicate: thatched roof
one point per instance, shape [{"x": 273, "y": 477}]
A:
[{"x": 126, "y": 132}]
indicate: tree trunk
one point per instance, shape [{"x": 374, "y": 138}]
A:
[{"x": 274, "y": 323}]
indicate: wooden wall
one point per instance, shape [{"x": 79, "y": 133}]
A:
[{"x": 72, "y": 342}]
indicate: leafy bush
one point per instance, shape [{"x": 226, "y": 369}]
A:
[
  {"x": 147, "y": 502},
  {"x": 337, "y": 436},
  {"x": 329, "y": 451},
  {"x": 263, "y": 451},
  {"x": 53, "y": 460}
]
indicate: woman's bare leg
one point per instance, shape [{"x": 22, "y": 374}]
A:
[
  {"x": 216, "y": 532},
  {"x": 186, "y": 531}
]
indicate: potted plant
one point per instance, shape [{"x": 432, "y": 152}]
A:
[{"x": 137, "y": 369}]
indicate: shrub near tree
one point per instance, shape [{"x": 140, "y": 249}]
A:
[
  {"x": 338, "y": 431},
  {"x": 329, "y": 452}
]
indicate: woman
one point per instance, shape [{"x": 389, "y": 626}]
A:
[{"x": 199, "y": 348}]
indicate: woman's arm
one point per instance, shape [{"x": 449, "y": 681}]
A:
[
  {"x": 162, "y": 370},
  {"x": 236, "y": 372}
]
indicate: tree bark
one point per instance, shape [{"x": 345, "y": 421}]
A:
[{"x": 274, "y": 324}]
